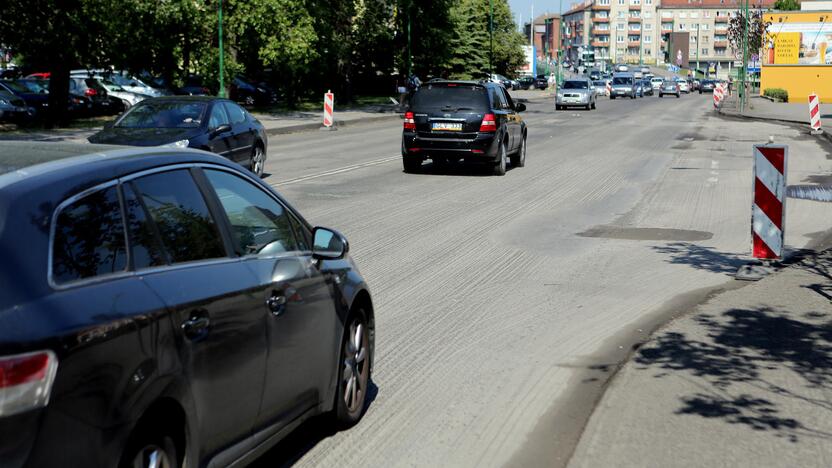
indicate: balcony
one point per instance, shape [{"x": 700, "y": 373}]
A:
[
  {"x": 634, "y": 19},
  {"x": 635, "y": 7},
  {"x": 598, "y": 7},
  {"x": 720, "y": 44},
  {"x": 635, "y": 44},
  {"x": 720, "y": 27},
  {"x": 600, "y": 32},
  {"x": 600, "y": 19},
  {"x": 721, "y": 19},
  {"x": 600, "y": 44}
]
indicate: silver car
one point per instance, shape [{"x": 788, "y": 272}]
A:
[{"x": 578, "y": 92}]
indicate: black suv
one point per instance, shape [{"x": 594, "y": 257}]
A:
[
  {"x": 453, "y": 120},
  {"x": 161, "y": 305}
]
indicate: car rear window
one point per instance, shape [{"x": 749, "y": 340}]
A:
[
  {"x": 575, "y": 85},
  {"x": 471, "y": 97},
  {"x": 89, "y": 238},
  {"x": 622, "y": 80}
]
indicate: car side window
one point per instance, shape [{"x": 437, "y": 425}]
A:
[
  {"x": 501, "y": 96},
  {"x": 145, "y": 246},
  {"x": 495, "y": 100},
  {"x": 259, "y": 224},
  {"x": 89, "y": 238},
  {"x": 509, "y": 102},
  {"x": 235, "y": 113},
  {"x": 181, "y": 216},
  {"x": 218, "y": 116}
]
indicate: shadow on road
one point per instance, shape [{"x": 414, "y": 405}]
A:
[
  {"x": 459, "y": 169},
  {"x": 703, "y": 258},
  {"x": 303, "y": 439}
]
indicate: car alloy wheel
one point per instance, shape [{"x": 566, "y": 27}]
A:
[
  {"x": 519, "y": 159},
  {"x": 500, "y": 167},
  {"x": 249, "y": 100},
  {"x": 152, "y": 456},
  {"x": 258, "y": 161},
  {"x": 355, "y": 370}
]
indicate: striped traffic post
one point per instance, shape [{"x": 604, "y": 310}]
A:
[
  {"x": 329, "y": 100},
  {"x": 769, "y": 207},
  {"x": 717, "y": 95},
  {"x": 814, "y": 113},
  {"x": 609, "y": 89}
]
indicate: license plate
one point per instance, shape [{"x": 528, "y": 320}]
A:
[{"x": 447, "y": 127}]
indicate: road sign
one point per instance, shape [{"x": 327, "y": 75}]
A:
[{"x": 768, "y": 211}]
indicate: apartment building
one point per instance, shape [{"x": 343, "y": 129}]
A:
[
  {"x": 546, "y": 36},
  {"x": 638, "y": 31}
]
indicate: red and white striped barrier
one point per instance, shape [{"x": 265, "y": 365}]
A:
[
  {"x": 814, "y": 112},
  {"x": 609, "y": 89},
  {"x": 329, "y": 100},
  {"x": 718, "y": 94},
  {"x": 768, "y": 212}
]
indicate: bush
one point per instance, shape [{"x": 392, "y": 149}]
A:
[{"x": 778, "y": 94}]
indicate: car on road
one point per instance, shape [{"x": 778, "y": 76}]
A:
[
  {"x": 669, "y": 87},
  {"x": 683, "y": 85},
  {"x": 541, "y": 82},
  {"x": 707, "y": 86},
  {"x": 525, "y": 82},
  {"x": 656, "y": 82},
  {"x": 164, "y": 308},
  {"x": 600, "y": 87},
  {"x": 594, "y": 75},
  {"x": 203, "y": 122},
  {"x": 576, "y": 92},
  {"x": 477, "y": 122},
  {"x": 646, "y": 87},
  {"x": 624, "y": 85}
]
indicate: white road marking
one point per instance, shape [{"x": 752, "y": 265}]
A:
[
  {"x": 337, "y": 171},
  {"x": 714, "y": 178}
]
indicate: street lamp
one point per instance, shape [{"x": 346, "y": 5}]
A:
[{"x": 222, "y": 64}]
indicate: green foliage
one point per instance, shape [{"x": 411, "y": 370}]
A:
[
  {"x": 778, "y": 94},
  {"x": 787, "y": 5},
  {"x": 757, "y": 27}
]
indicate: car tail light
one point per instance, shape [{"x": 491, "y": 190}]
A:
[
  {"x": 477, "y": 151},
  {"x": 409, "y": 122},
  {"x": 414, "y": 150},
  {"x": 26, "y": 381},
  {"x": 90, "y": 92},
  {"x": 489, "y": 123}
]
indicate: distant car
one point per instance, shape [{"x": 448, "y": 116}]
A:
[
  {"x": 656, "y": 82},
  {"x": 35, "y": 98},
  {"x": 476, "y": 122},
  {"x": 508, "y": 83},
  {"x": 639, "y": 87},
  {"x": 158, "y": 303},
  {"x": 14, "y": 109},
  {"x": 194, "y": 86},
  {"x": 622, "y": 68},
  {"x": 121, "y": 79},
  {"x": 694, "y": 84},
  {"x": 600, "y": 87},
  {"x": 541, "y": 82},
  {"x": 683, "y": 85},
  {"x": 128, "y": 99},
  {"x": 97, "y": 94},
  {"x": 209, "y": 123},
  {"x": 624, "y": 85},
  {"x": 250, "y": 94},
  {"x": 646, "y": 87},
  {"x": 525, "y": 82},
  {"x": 669, "y": 87},
  {"x": 594, "y": 75},
  {"x": 707, "y": 86},
  {"x": 577, "y": 92}
]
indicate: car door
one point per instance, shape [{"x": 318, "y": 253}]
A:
[
  {"x": 498, "y": 103},
  {"x": 514, "y": 120},
  {"x": 212, "y": 298},
  {"x": 220, "y": 139},
  {"x": 302, "y": 324},
  {"x": 243, "y": 133}
]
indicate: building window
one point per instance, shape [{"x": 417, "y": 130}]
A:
[
  {"x": 620, "y": 26},
  {"x": 621, "y": 14},
  {"x": 635, "y": 2},
  {"x": 705, "y": 50},
  {"x": 648, "y": 2},
  {"x": 619, "y": 39},
  {"x": 648, "y": 52},
  {"x": 604, "y": 2},
  {"x": 621, "y": 2},
  {"x": 681, "y": 26},
  {"x": 648, "y": 39},
  {"x": 705, "y": 38},
  {"x": 635, "y": 14},
  {"x": 692, "y": 38},
  {"x": 705, "y": 27},
  {"x": 648, "y": 26},
  {"x": 635, "y": 27}
]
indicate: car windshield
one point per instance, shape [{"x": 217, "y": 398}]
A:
[
  {"x": 16, "y": 87},
  {"x": 599, "y": 83},
  {"x": 164, "y": 114},
  {"x": 34, "y": 86},
  {"x": 575, "y": 85},
  {"x": 620, "y": 80},
  {"x": 450, "y": 96}
]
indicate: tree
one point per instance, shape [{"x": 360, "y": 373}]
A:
[
  {"x": 787, "y": 5},
  {"x": 756, "y": 26}
]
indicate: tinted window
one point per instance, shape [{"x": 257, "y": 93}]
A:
[
  {"x": 145, "y": 246},
  {"x": 622, "y": 80},
  {"x": 437, "y": 97},
  {"x": 260, "y": 225},
  {"x": 218, "y": 116},
  {"x": 163, "y": 114},
  {"x": 575, "y": 85},
  {"x": 181, "y": 216},
  {"x": 235, "y": 114},
  {"x": 89, "y": 238}
]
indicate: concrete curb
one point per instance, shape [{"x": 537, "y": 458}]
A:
[
  {"x": 725, "y": 113},
  {"x": 308, "y": 127}
]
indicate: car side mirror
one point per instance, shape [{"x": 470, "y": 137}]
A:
[
  {"x": 328, "y": 244},
  {"x": 221, "y": 129},
  {"x": 520, "y": 107}
]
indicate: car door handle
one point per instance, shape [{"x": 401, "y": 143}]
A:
[{"x": 196, "y": 327}]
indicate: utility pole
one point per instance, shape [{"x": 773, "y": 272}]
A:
[
  {"x": 491, "y": 34},
  {"x": 222, "y": 64},
  {"x": 698, "y": 28},
  {"x": 641, "y": 45},
  {"x": 560, "y": 44},
  {"x": 744, "y": 75}
]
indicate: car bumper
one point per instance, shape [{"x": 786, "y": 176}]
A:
[
  {"x": 484, "y": 147},
  {"x": 582, "y": 101}
]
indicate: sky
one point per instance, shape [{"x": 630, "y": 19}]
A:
[{"x": 524, "y": 7}]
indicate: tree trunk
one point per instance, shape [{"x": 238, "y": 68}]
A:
[{"x": 58, "y": 95}]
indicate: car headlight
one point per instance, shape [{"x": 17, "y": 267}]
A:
[{"x": 177, "y": 144}]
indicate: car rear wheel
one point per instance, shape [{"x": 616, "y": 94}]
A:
[
  {"x": 593, "y": 104},
  {"x": 500, "y": 167},
  {"x": 519, "y": 159},
  {"x": 258, "y": 161},
  {"x": 354, "y": 370},
  {"x": 151, "y": 452}
]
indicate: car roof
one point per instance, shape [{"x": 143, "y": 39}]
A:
[
  {"x": 188, "y": 99},
  {"x": 19, "y": 155}
]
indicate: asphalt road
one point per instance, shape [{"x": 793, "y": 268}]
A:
[{"x": 501, "y": 302}]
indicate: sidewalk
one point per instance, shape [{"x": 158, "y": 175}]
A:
[
  {"x": 745, "y": 380},
  {"x": 761, "y": 108}
]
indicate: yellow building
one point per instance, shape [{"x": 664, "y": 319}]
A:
[{"x": 797, "y": 55}]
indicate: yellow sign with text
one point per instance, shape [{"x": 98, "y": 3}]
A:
[{"x": 787, "y": 48}]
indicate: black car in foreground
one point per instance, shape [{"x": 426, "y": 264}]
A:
[
  {"x": 477, "y": 122},
  {"x": 161, "y": 305},
  {"x": 203, "y": 122}
]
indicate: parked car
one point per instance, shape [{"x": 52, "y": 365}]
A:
[
  {"x": 707, "y": 86},
  {"x": 162, "y": 305},
  {"x": 508, "y": 83},
  {"x": 121, "y": 79},
  {"x": 600, "y": 87},
  {"x": 656, "y": 82},
  {"x": 477, "y": 122},
  {"x": 208, "y": 123},
  {"x": 37, "y": 100},
  {"x": 127, "y": 98},
  {"x": 78, "y": 105},
  {"x": 14, "y": 109},
  {"x": 683, "y": 85},
  {"x": 90, "y": 88},
  {"x": 541, "y": 82},
  {"x": 623, "y": 85},
  {"x": 646, "y": 87},
  {"x": 669, "y": 87},
  {"x": 577, "y": 92},
  {"x": 243, "y": 91},
  {"x": 525, "y": 82},
  {"x": 194, "y": 86}
]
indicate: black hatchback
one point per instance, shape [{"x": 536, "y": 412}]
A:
[
  {"x": 477, "y": 122},
  {"x": 202, "y": 122},
  {"x": 161, "y": 305}
]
